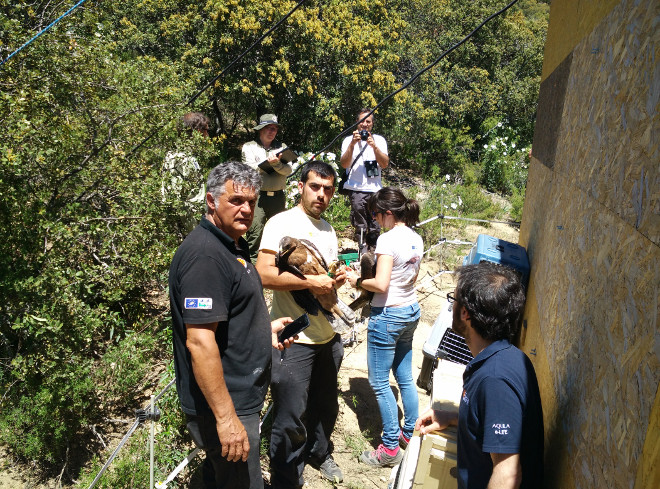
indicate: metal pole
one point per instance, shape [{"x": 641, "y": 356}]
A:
[{"x": 151, "y": 444}]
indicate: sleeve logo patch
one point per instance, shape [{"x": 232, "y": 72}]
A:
[
  {"x": 501, "y": 428},
  {"x": 199, "y": 303}
]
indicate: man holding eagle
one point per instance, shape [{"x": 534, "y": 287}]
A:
[{"x": 304, "y": 379}]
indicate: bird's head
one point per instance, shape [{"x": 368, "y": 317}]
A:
[{"x": 287, "y": 246}]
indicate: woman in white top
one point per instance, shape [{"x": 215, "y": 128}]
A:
[{"x": 393, "y": 319}]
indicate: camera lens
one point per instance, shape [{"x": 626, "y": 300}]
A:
[{"x": 364, "y": 134}]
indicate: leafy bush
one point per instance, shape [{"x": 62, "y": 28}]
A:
[
  {"x": 449, "y": 199},
  {"x": 171, "y": 445},
  {"x": 517, "y": 202},
  {"x": 505, "y": 162},
  {"x": 42, "y": 422}
]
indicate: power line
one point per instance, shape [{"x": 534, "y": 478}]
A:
[
  {"x": 226, "y": 68},
  {"x": 258, "y": 41},
  {"x": 42, "y": 31},
  {"x": 417, "y": 75}
]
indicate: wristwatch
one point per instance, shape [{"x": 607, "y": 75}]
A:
[{"x": 358, "y": 282}]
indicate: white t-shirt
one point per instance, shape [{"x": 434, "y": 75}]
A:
[
  {"x": 297, "y": 224},
  {"x": 357, "y": 178},
  {"x": 405, "y": 247}
]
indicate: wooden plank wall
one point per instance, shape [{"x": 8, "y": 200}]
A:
[{"x": 591, "y": 224}]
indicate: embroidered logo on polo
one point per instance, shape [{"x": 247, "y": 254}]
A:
[
  {"x": 244, "y": 263},
  {"x": 199, "y": 303},
  {"x": 465, "y": 398},
  {"x": 501, "y": 428}
]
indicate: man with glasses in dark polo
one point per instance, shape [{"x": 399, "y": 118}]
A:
[{"x": 500, "y": 419}]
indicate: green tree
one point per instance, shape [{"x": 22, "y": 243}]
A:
[
  {"x": 495, "y": 75},
  {"x": 90, "y": 109}
]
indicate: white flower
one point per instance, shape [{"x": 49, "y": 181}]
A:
[
  {"x": 485, "y": 146},
  {"x": 453, "y": 205},
  {"x": 505, "y": 153},
  {"x": 506, "y": 138},
  {"x": 499, "y": 124},
  {"x": 444, "y": 185},
  {"x": 447, "y": 178},
  {"x": 492, "y": 146},
  {"x": 513, "y": 145},
  {"x": 460, "y": 201},
  {"x": 446, "y": 206},
  {"x": 331, "y": 156}
]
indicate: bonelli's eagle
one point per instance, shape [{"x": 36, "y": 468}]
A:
[{"x": 300, "y": 257}]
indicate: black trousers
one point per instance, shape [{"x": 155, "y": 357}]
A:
[
  {"x": 305, "y": 408},
  {"x": 218, "y": 472},
  {"x": 362, "y": 220}
]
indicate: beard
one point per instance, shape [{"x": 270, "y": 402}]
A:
[{"x": 458, "y": 326}]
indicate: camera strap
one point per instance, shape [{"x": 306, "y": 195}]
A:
[{"x": 362, "y": 148}]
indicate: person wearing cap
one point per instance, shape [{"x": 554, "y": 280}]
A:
[{"x": 272, "y": 200}]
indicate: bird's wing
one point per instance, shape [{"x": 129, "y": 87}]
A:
[
  {"x": 315, "y": 252},
  {"x": 368, "y": 265},
  {"x": 307, "y": 301}
]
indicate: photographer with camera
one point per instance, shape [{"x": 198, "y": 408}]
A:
[{"x": 363, "y": 155}]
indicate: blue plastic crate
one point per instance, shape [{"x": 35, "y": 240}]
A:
[{"x": 489, "y": 248}]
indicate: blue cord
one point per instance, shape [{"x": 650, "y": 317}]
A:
[{"x": 42, "y": 31}]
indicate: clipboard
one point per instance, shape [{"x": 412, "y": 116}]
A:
[{"x": 286, "y": 155}]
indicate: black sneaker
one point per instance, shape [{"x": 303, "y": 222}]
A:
[
  {"x": 328, "y": 469},
  {"x": 379, "y": 458}
]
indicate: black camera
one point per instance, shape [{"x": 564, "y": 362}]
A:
[
  {"x": 364, "y": 134},
  {"x": 371, "y": 167}
]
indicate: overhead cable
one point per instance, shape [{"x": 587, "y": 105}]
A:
[
  {"x": 42, "y": 32},
  {"x": 258, "y": 41},
  {"x": 226, "y": 68},
  {"x": 417, "y": 75}
]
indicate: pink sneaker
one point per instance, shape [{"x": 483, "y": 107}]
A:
[{"x": 380, "y": 458}]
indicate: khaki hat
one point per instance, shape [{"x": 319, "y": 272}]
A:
[{"x": 265, "y": 120}]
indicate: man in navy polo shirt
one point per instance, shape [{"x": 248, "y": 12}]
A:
[
  {"x": 500, "y": 420},
  {"x": 222, "y": 331}
]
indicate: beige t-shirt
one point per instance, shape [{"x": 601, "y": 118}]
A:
[{"x": 297, "y": 224}]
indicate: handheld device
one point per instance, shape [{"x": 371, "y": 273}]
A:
[{"x": 293, "y": 328}]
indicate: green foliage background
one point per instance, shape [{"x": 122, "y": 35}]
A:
[{"x": 86, "y": 236}]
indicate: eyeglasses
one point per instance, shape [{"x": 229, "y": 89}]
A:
[{"x": 451, "y": 298}]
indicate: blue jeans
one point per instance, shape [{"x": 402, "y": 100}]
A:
[{"x": 389, "y": 347}]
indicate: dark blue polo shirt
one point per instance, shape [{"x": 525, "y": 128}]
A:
[
  {"x": 212, "y": 280},
  {"x": 500, "y": 412}
]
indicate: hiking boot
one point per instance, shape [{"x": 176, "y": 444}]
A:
[
  {"x": 403, "y": 441},
  {"x": 379, "y": 458},
  {"x": 328, "y": 469}
]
